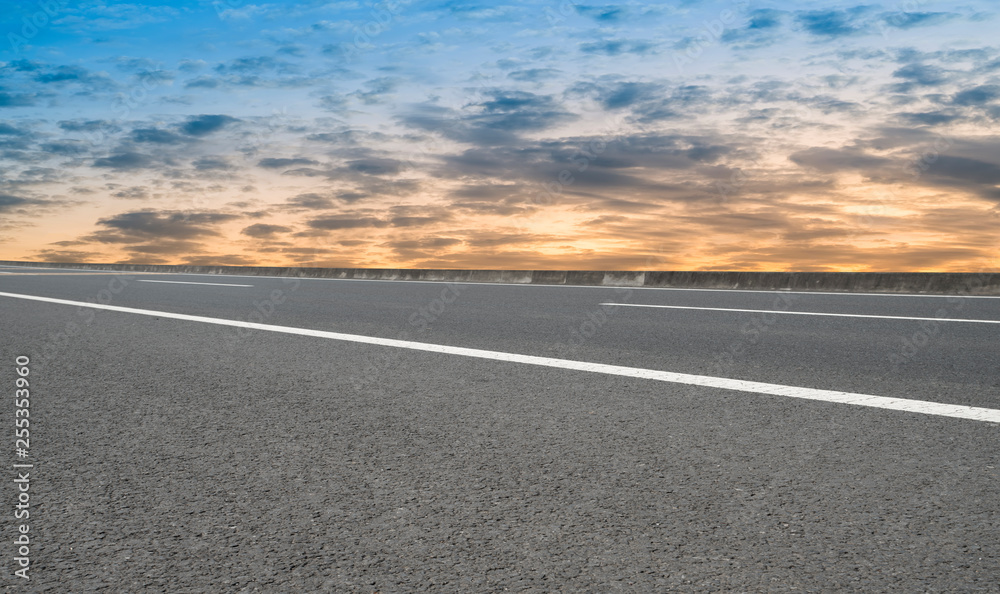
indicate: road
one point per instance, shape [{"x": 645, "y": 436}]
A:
[{"x": 227, "y": 433}]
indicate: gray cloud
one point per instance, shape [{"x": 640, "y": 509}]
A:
[
  {"x": 126, "y": 161},
  {"x": 281, "y": 163},
  {"x": 264, "y": 230},
  {"x": 206, "y": 124}
]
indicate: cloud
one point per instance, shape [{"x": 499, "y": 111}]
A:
[
  {"x": 126, "y": 161},
  {"x": 67, "y": 148},
  {"x": 211, "y": 164},
  {"x": 977, "y": 96},
  {"x": 8, "y": 202},
  {"x": 158, "y": 227},
  {"x": 8, "y": 130},
  {"x": 500, "y": 119},
  {"x": 88, "y": 125},
  {"x": 280, "y": 163},
  {"x": 374, "y": 166},
  {"x": 16, "y": 100},
  {"x": 264, "y": 230},
  {"x": 921, "y": 75},
  {"x": 831, "y": 23},
  {"x": 836, "y": 160},
  {"x": 340, "y": 222},
  {"x": 929, "y": 118},
  {"x": 133, "y": 193},
  {"x": 909, "y": 20},
  {"x": 533, "y": 74},
  {"x": 206, "y": 124},
  {"x": 156, "y": 136},
  {"x": 617, "y": 47}
]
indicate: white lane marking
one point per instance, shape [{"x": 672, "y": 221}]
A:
[
  {"x": 900, "y": 404},
  {"x": 608, "y": 287},
  {"x": 807, "y": 313},
  {"x": 192, "y": 283}
]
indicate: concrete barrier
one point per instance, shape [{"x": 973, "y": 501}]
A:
[{"x": 950, "y": 283}]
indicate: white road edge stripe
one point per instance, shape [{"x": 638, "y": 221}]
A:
[
  {"x": 192, "y": 283},
  {"x": 899, "y": 404},
  {"x": 807, "y": 313}
]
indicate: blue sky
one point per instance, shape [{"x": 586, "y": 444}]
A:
[{"x": 740, "y": 134}]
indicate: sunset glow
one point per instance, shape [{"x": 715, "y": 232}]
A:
[{"x": 697, "y": 135}]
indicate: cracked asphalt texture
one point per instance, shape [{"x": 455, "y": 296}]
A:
[{"x": 175, "y": 456}]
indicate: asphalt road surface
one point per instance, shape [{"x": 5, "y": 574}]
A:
[{"x": 195, "y": 433}]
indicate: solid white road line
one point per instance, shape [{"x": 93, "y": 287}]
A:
[
  {"x": 192, "y": 283},
  {"x": 899, "y": 404},
  {"x": 807, "y": 313}
]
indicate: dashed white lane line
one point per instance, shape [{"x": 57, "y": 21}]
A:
[
  {"x": 898, "y": 404},
  {"x": 807, "y": 313},
  {"x": 192, "y": 283}
]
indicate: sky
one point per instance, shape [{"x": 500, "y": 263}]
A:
[{"x": 686, "y": 135}]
